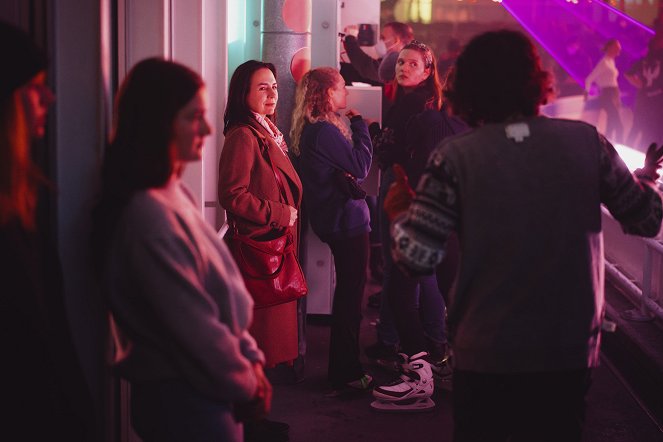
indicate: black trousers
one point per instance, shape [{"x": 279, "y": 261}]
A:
[
  {"x": 522, "y": 407},
  {"x": 172, "y": 411},
  {"x": 610, "y": 102},
  {"x": 350, "y": 261}
]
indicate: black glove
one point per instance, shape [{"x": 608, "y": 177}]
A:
[{"x": 653, "y": 161}]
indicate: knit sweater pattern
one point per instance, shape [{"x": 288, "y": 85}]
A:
[{"x": 529, "y": 293}]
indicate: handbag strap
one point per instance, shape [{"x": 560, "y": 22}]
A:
[{"x": 279, "y": 182}]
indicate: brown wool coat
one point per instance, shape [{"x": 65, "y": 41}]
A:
[
  {"x": 247, "y": 187},
  {"x": 249, "y": 193}
]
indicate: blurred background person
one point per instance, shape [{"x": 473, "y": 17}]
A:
[
  {"x": 44, "y": 391},
  {"x": 605, "y": 75},
  {"x": 328, "y": 151},
  {"x": 181, "y": 311},
  {"x": 646, "y": 76},
  {"x": 393, "y": 37},
  {"x": 579, "y": 59},
  {"x": 249, "y": 193},
  {"x": 447, "y": 59}
]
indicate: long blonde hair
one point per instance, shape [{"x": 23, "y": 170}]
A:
[{"x": 313, "y": 104}]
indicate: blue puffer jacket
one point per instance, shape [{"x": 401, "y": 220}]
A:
[{"x": 324, "y": 150}]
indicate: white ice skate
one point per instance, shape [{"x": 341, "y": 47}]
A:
[{"x": 410, "y": 392}]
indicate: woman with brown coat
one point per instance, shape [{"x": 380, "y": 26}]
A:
[{"x": 249, "y": 193}]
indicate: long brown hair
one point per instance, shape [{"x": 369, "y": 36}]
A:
[
  {"x": 140, "y": 156},
  {"x": 432, "y": 83},
  {"x": 19, "y": 177}
]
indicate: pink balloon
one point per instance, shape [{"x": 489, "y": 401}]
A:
[
  {"x": 300, "y": 63},
  {"x": 297, "y": 15}
]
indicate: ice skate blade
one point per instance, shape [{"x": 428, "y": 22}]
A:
[{"x": 416, "y": 406}]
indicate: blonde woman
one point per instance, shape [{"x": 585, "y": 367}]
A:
[{"x": 329, "y": 150}]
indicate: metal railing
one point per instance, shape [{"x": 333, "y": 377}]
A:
[{"x": 641, "y": 295}]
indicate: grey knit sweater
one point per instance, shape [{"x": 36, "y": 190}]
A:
[
  {"x": 179, "y": 301},
  {"x": 525, "y": 200}
]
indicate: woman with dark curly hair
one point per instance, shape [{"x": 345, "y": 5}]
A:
[
  {"x": 481, "y": 90},
  {"x": 524, "y": 194}
]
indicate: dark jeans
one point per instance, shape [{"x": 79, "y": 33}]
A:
[
  {"x": 350, "y": 261},
  {"x": 418, "y": 309},
  {"x": 413, "y": 306},
  {"x": 165, "y": 411},
  {"x": 374, "y": 210},
  {"x": 522, "y": 407}
]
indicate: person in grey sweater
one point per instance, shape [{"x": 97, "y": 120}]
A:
[
  {"x": 180, "y": 310},
  {"x": 524, "y": 194}
]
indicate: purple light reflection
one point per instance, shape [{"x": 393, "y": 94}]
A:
[
  {"x": 574, "y": 33},
  {"x": 626, "y": 17},
  {"x": 543, "y": 42},
  {"x": 611, "y": 23}
]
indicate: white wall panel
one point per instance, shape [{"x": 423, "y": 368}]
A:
[
  {"x": 143, "y": 31},
  {"x": 215, "y": 72},
  {"x": 192, "y": 32},
  {"x": 187, "y": 44},
  {"x": 325, "y": 23},
  {"x": 80, "y": 133}
]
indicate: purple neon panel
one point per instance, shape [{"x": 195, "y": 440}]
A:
[{"x": 574, "y": 33}]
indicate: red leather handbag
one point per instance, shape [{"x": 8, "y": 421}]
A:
[{"x": 270, "y": 268}]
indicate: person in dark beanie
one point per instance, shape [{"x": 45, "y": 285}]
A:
[{"x": 44, "y": 395}]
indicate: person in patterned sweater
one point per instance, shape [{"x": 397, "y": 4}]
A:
[{"x": 524, "y": 193}]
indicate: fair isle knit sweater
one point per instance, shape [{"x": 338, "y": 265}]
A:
[{"x": 529, "y": 294}]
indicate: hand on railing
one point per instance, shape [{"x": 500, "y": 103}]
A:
[{"x": 653, "y": 161}]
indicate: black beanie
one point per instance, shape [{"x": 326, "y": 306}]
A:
[{"x": 21, "y": 59}]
